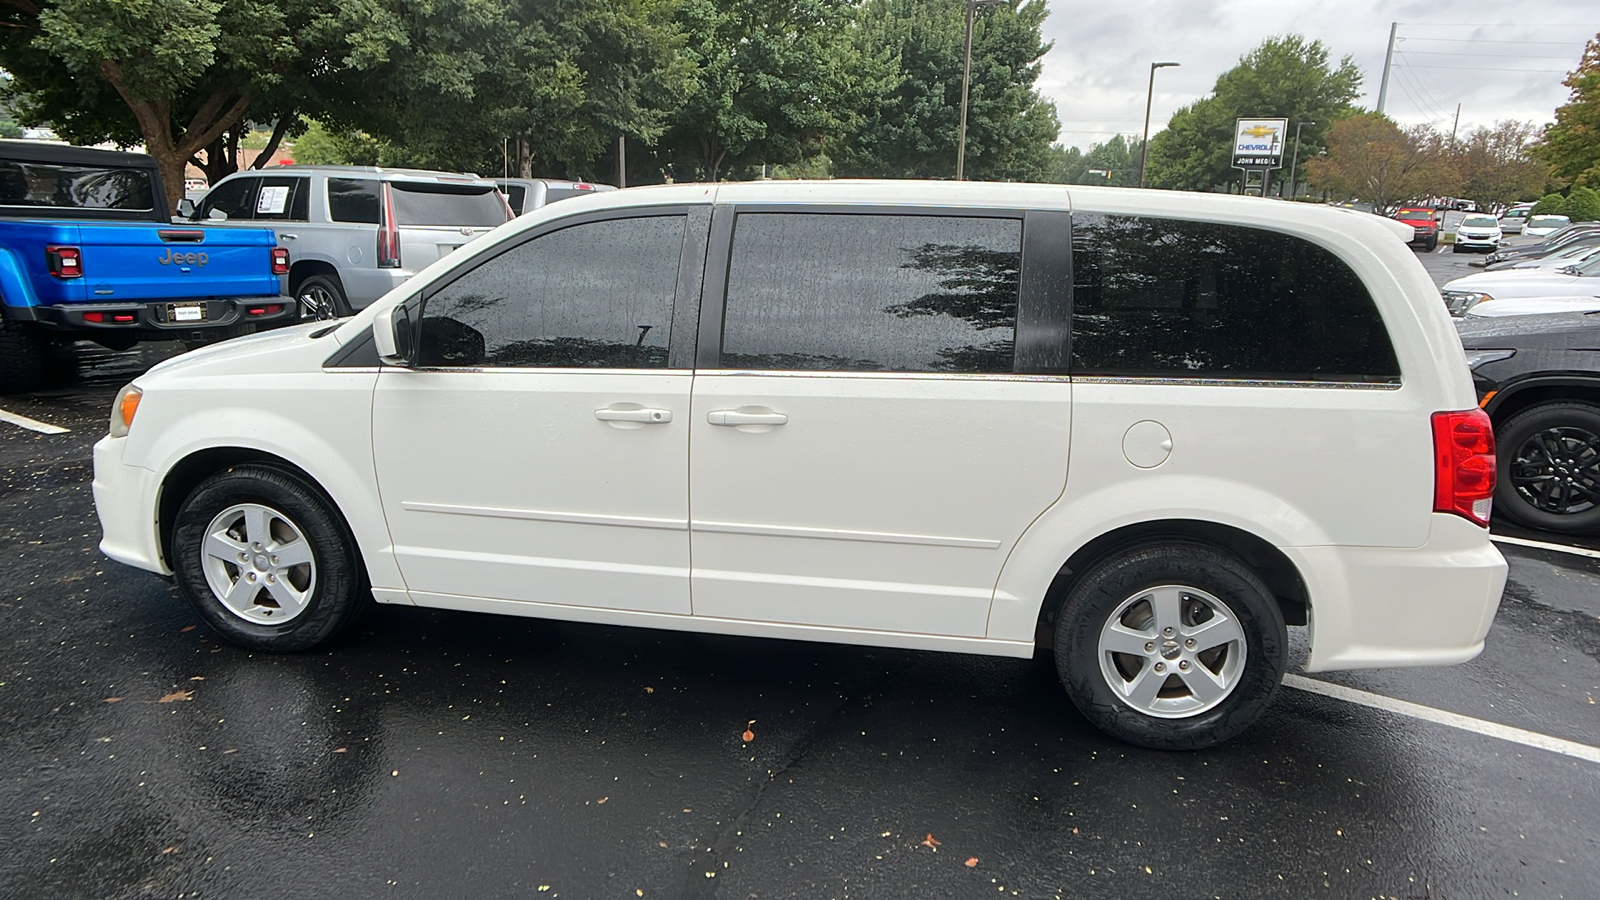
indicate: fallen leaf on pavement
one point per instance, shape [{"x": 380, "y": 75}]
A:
[
  {"x": 603, "y": 799},
  {"x": 649, "y": 690},
  {"x": 748, "y": 735},
  {"x": 169, "y": 850},
  {"x": 930, "y": 841},
  {"x": 198, "y": 678},
  {"x": 342, "y": 750},
  {"x": 175, "y": 696},
  {"x": 186, "y": 628},
  {"x": 116, "y": 699},
  {"x": 972, "y": 862}
]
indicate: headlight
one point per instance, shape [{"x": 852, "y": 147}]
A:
[
  {"x": 1476, "y": 358},
  {"x": 1458, "y": 302},
  {"x": 123, "y": 410}
]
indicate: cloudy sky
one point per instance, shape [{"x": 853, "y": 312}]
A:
[{"x": 1499, "y": 59}]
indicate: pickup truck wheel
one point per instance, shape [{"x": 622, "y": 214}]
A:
[
  {"x": 22, "y": 350},
  {"x": 1173, "y": 645},
  {"x": 1432, "y": 244},
  {"x": 321, "y": 297},
  {"x": 267, "y": 561}
]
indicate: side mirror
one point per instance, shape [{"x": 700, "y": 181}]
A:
[
  {"x": 186, "y": 208},
  {"x": 392, "y": 333}
]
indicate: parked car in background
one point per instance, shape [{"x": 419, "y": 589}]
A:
[
  {"x": 88, "y": 252},
  {"x": 355, "y": 232},
  {"x": 1512, "y": 220},
  {"x": 585, "y": 416},
  {"x": 1477, "y": 233},
  {"x": 528, "y": 194},
  {"x": 1538, "y": 378},
  {"x": 1542, "y": 226},
  {"x": 1424, "y": 222},
  {"x": 1514, "y": 291},
  {"x": 1551, "y": 244}
]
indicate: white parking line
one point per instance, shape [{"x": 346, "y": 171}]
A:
[
  {"x": 1559, "y": 548},
  {"x": 31, "y": 424},
  {"x": 1440, "y": 717}
]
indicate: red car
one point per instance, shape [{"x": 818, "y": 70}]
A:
[{"x": 1424, "y": 222}]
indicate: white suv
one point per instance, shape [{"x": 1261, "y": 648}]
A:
[{"x": 1147, "y": 429}]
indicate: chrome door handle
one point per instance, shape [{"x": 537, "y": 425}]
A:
[
  {"x": 647, "y": 416},
  {"x": 290, "y": 237},
  {"x": 733, "y": 417}
]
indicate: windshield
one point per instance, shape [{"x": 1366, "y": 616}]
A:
[
  {"x": 1589, "y": 267},
  {"x": 1516, "y": 214},
  {"x": 1480, "y": 222},
  {"x": 455, "y": 205},
  {"x": 1414, "y": 214}
]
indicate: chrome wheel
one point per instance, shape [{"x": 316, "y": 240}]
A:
[
  {"x": 1172, "y": 651},
  {"x": 317, "y": 302},
  {"x": 259, "y": 564},
  {"x": 1557, "y": 470}
]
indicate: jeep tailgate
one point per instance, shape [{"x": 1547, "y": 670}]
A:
[{"x": 150, "y": 262}]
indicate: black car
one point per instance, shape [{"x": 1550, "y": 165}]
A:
[
  {"x": 1570, "y": 236},
  {"x": 1538, "y": 378}
]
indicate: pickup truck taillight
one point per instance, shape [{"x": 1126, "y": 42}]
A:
[
  {"x": 280, "y": 261},
  {"x": 388, "y": 233},
  {"x": 64, "y": 262},
  {"x": 1464, "y": 464}
]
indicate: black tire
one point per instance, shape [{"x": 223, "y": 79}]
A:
[
  {"x": 1521, "y": 454},
  {"x": 315, "y": 293},
  {"x": 1455, "y": 248},
  {"x": 339, "y": 593},
  {"x": 1432, "y": 244},
  {"x": 218, "y": 335},
  {"x": 21, "y": 357},
  {"x": 1125, "y": 575}
]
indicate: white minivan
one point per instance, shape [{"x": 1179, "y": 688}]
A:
[{"x": 1144, "y": 429}]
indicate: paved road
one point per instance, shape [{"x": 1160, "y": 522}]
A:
[{"x": 435, "y": 754}]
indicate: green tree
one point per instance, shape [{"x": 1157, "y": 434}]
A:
[
  {"x": 1285, "y": 77},
  {"x": 177, "y": 75},
  {"x": 1371, "y": 158},
  {"x": 1572, "y": 143},
  {"x": 771, "y": 81},
  {"x": 1583, "y": 205},
  {"x": 1550, "y": 205},
  {"x": 1064, "y": 165},
  {"x": 1498, "y": 167},
  {"x": 912, "y": 129}
]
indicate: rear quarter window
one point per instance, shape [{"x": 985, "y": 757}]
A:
[
  {"x": 355, "y": 200},
  {"x": 424, "y": 203},
  {"x": 1169, "y": 298}
]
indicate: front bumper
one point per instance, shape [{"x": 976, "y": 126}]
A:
[
  {"x": 125, "y": 497},
  {"x": 158, "y": 316},
  {"x": 1375, "y": 607},
  {"x": 1477, "y": 243}
]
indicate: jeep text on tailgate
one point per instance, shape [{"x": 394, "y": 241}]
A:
[{"x": 88, "y": 252}]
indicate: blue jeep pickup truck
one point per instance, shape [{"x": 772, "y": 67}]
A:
[{"x": 88, "y": 251}]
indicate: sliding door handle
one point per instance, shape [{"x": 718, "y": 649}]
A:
[
  {"x": 734, "y": 417},
  {"x": 645, "y": 415}
]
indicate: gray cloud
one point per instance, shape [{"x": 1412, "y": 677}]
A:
[{"x": 1499, "y": 60}]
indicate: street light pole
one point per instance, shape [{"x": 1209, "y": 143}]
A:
[
  {"x": 966, "y": 80},
  {"x": 1293, "y": 189},
  {"x": 1144, "y": 145}
]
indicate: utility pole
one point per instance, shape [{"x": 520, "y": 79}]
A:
[
  {"x": 1144, "y": 145},
  {"x": 1388, "y": 62},
  {"x": 1455, "y": 126},
  {"x": 622, "y": 161}
]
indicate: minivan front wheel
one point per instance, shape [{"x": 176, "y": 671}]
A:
[
  {"x": 266, "y": 561},
  {"x": 1174, "y": 645}
]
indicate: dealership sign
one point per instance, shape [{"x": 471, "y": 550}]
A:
[{"x": 1258, "y": 143}]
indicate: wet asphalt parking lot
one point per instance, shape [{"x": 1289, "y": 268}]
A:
[{"x": 436, "y": 754}]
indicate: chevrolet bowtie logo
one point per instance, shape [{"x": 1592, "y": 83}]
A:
[{"x": 1260, "y": 131}]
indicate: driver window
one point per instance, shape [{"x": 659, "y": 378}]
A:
[
  {"x": 231, "y": 199},
  {"x": 596, "y": 295}
]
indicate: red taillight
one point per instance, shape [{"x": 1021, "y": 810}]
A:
[
  {"x": 388, "y": 233},
  {"x": 280, "y": 261},
  {"x": 1464, "y": 469},
  {"x": 94, "y": 317},
  {"x": 64, "y": 262}
]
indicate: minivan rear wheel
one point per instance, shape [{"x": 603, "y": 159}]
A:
[{"x": 1174, "y": 645}]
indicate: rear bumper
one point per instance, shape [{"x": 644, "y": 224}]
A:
[
  {"x": 125, "y": 499},
  {"x": 157, "y": 316},
  {"x": 1418, "y": 606}
]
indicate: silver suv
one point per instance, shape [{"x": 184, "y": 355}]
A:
[
  {"x": 528, "y": 194},
  {"x": 355, "y": 232}
]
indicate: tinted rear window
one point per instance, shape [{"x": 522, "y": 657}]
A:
[
  {"x": 354, "y": 200},
  {"x": 563, "y": 193},
  {"x": 418, "y": 203},
  {"x": 1169, "y": 298},
  {"x": 516, "y": 194},
  {"x": 75, "y": 187}
]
